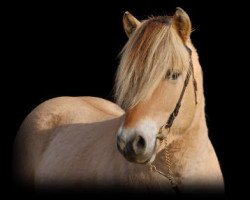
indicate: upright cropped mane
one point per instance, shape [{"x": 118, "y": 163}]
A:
[{"x": 153, "y": 49}]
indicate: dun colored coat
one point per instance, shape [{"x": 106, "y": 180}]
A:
[{"x": 71, "y": 142}]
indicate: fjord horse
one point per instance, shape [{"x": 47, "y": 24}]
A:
[{"x": 154, "y": 138}]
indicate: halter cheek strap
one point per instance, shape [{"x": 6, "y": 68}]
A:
[{"x": 175, "y": 112}]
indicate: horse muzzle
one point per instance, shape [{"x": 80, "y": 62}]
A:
[{"x": 135, "y": 147}]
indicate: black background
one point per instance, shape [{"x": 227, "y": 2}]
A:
[{"x": 70, "y": 49}]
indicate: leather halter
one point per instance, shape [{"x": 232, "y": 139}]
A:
[
  {"x": 170, "y": 122},
  {"x": 175, "y": 112}
]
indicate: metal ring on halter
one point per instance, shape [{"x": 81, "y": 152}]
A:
[{"x": 160, "y": 136}]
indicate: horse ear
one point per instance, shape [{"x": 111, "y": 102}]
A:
[
  {"x": 182, "y": 23},
  {"x": 130, "y": 23}
]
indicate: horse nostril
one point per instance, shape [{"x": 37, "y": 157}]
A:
[
  {"x": 141, "y": 142},
  {"x": 139, "y": 145}
]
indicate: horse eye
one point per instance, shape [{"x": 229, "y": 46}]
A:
[{"x": 173, "y": 75}]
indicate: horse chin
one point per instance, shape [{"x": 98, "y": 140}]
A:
[
  {"x": 144, "y": 161},
  {"x": 150, "y": 160}
]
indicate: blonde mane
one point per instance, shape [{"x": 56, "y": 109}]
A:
[
  {"x": 90, "y": 145},
  {"x": 153, "y": 49}
]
